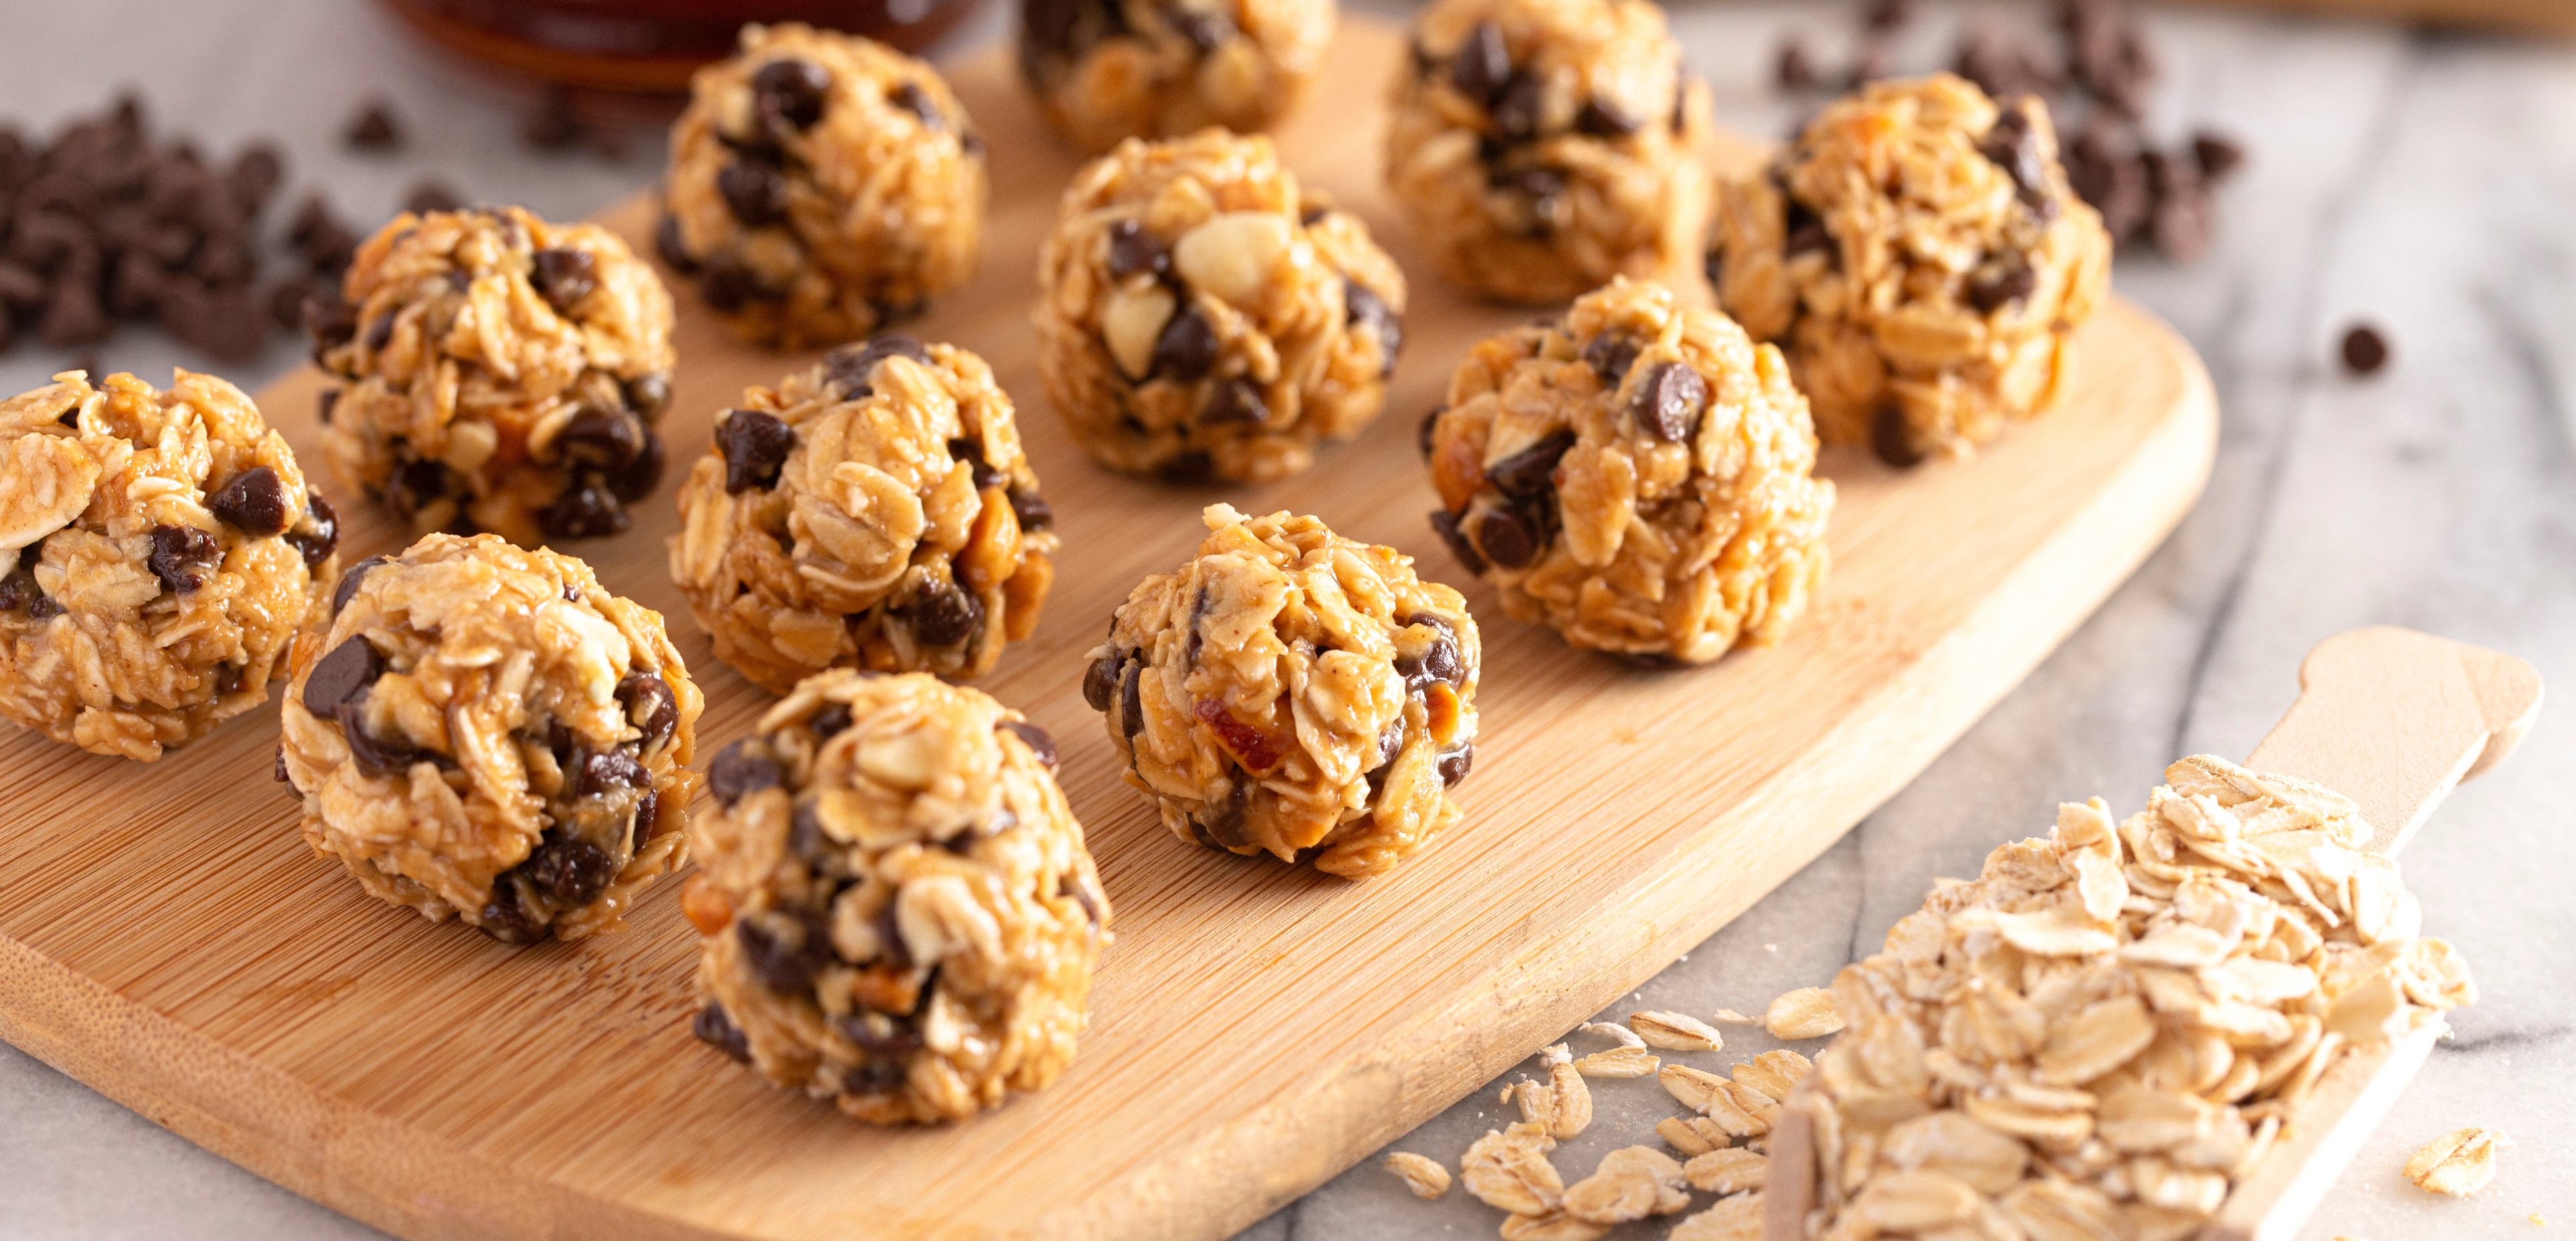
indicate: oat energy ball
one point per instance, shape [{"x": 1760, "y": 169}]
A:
[
  {"x": 899, "y": 912},
  {"x": 873, "y": 511},
  {"x": 1293, "y": 692},
  {"x": 486, "y": 731},
  {"x": 1105, "y": 70},
  {"x": 1203, "y": 316},
  {"x": 158, "y": 551},
  {"x": 1639, "y": 477},
  {"x": 1543, "y": 146},
  {"x": 1921, "y": 257},
  {"x": 822, "y": 186},
  {"x": 502, "y": 374}
]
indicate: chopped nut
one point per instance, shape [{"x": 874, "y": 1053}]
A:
[
  {"x": 1421, "y": 1173},
  {"x": 1807, "y": 1012},
  {"x": 1231, "y": 254},
  {"x": 1617, "y": 1062},
  {"x": 2458, "y": 1163},
  {"x": 1675, "y": 1032},
  {"x": 1632, "y": 1182},
  {"x": 1725, "y": 1171}
]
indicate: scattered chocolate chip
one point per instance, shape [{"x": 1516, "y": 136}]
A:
[
  {"x": 1887, "y": 14},
  {"x": 1133, "y": 250},
  {"x": 573, "y": 872},
  {"x": 1186, "y": 350},
  {"x": 1033, "y": 511},
  {"x": 349, "y": 580},
  {"x": 1889, "y": 438},
  {"x": 374, "y": 128},
  {"x": 849, "y": 367},
  {"x": 754, "y": 446},
  {"x": 1445, "y": 524},
  {"x": 73, "y": 316},
  {"x": 554, "y": 125},
  {"x": 754, "y": 190},
  {"x": 431, "y": 194},
  {"x": 254, "y": 177},
  {"x": 2365, "y": 350},
  {"x": 674, "y": 250},
  {"x": 713, "y": 1028},
  {"x": 2000, "y": 281},
  {"x": 1455, "y": 764},
  {"x": 254, "y": 502},
  {"x": 1040, "y": 744},
  {"x": 1481, "y": 65},
  {"x": 2184, "y": 219},
  {"x": 1518, "y": 113},
  {"x": 1364, "y": 306},
  {"x": 181, "y": 556},
  {"x": 782, "y": 951},
  {"x": 1507, "y": 539},
  {"x": 1235, "y": 400},
  {"x": 792, "y": 91},
  {"x": 737, "y": 773},
  {"x": 2218, "y": 155},
  {"x": 2105, "y": 171},
  {"x": 1610, "y": 355},
  {"x": 1531, "y": 472},
  {"x": 1099, "y": 681},
  {"x": 339, "y": 677},
  {"x": 910, "y": 97},
  {"x": 564, "y": 276},
  {"x": 650, "y": 706},
  {"x": 1870, "y": 64},
  {"x": 941, "y": 613}
]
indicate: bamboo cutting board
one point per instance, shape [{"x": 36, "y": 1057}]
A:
[{"x": 166, "y": 938}]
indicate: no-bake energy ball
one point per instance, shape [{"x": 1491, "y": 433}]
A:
[
  {"x": 1921, "y": 257},
  {"x": 1293, "y": 692},
  {"x": 485, "y": 731},
  {"x": 822, "y": 187},
  {"x": 502, "y": 374},
  {"x": 1543, "y": 146},
  {"x": 1637, "y": 477},
  {"x": 876, "y": 511},
  {"x": 158, "y": 551},
  {"x": 1105, "y": 70},
  {"x": 899, "y": 912},
  {"x": 1202, "y": 317}
]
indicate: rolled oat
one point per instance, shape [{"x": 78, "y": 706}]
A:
[
  {"x": 2458, "y": 1163},
  {"x": 1420, "y": 1173}
]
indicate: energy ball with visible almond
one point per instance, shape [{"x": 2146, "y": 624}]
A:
[
  {"x": 1106, "y": 70},
  {"x": 1638, "y": 476},
  {"x": 485, "y": 731},
  {"x": 899, "y": 912},
  {"x": 1293, "y": 692},
  {"x": 158, "y": 551},
  {"x": 874, "y": 511},
  {"x": 822, "y": 187},
  {"x": 1919, "y": 254},
  {"x": 500, "y": 374},
  {"x": 1542, "y": 147},
  {"x": 1203, "y": 316}
]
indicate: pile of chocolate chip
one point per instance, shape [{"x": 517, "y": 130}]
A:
[{"x": 2098, "y": 77}]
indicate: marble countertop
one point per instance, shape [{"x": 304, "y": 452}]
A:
[{"x": 2421, "y": 181}]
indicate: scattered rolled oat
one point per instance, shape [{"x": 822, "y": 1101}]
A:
[
  {"x": 1630, "y": 1183},
  {"x": 1728, "y": 1016},
  {"x": 1552, "y": 1226},
  {"x": 1617, "y": 1062},
  {"x": 1615, "y": 1032},
  {"x": 2458, "y": 1163},
  {"x": 1421, "y": 1173},
  {"x": 1725, "y": 1171},
  {"x": 2103, "y": 1031},
  {"x": 1509, "y": 1170},
  {"x": 1675, "y": 1032},
  {"x": 1807, "y": 1012},
  {"x": 1692, "y": 1135},
  {"x": 1733, "y": 1219}
]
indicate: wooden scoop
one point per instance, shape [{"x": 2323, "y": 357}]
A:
[{"x": 2390, "y": 718}]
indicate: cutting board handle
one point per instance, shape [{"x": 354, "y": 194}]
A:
[{"x": 2391, "y": 718}]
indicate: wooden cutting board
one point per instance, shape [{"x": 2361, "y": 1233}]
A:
[
  {"x": 166, "y": 938},
  {"x": 2541, "y": 17}
]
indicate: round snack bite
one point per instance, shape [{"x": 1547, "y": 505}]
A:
[
  {"x": 1104, "y": 70},
  {"x": 1201, "y": 316},
  {"x": 1294, "y": 692},
  {"x": 486, "y": 731},
  {"x": 899, "y": 912},
  {"x": 1638, "y": 477},
  {"x": 1543, "y": 146},
  {"x": 1919, "y": 254},
  {"x": 876, "y": 511},
  {"x": 503, "y": 374},
  {"x": 822, "y": 187},
  {"x": 158, "y": 551}
]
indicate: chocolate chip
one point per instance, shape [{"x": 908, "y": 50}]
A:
[
  {"x": 1481, "y": 65},
  {"x": 728, "y": 285},
  {"x": 641, "y": 475},
  {"x": 1870, "y": 64},
  {"x": 564, "y": 276},
  {"x": 1606, "y": 119},
  {"x": 181, "y": 557},
  {"x": 1364, "y": 306},
  {"x": 1792, "y": 69},
  {"x": 754, "y": 445},
  {"x": 1889, "y": 438},
  {"x": 381, "y": 332},
  {"x": 1131, "y": 701},
  {"x": 668, "y": 243},
  {"x": 940, "y": 612},
  {"x": 73, "y": 316},
  {"x": 1040, "y": 744},
  {"x": 278, "y": 772},
  {"x": 374, "y": 128},
  {"x": 504, "y": 920},
  {"x": 2012, "y": 142},
  {"x": 1455, "y": 764},
  {"x": 339, "y": 677},
  {"x": 1531, "y": 472},
  {"x": 45, "y": 608},
  {"x": 737, "y": 773},
  {"x": 1032, "y": 510},
  {"x": 602, "y": 770},
  {"x": 1507, "y": 538},
  {"x": 713, "y": 1028},
  {"x": 21, "y": 288},
  {"x": 1187, "y": 348},
  {"x": 648, "y": 811},
  {"x": 648, "y": 395},
  {"x": 254, "y": 177},
  {"x": 330, "y": 321},
  {"x": 783, "y": 952},
  {"x": 1610, "y": 355},
  {"x": 1445, "y": 524},
  {"x": 829, "y": 722},
  {"x": 1099, "y": 681},
  {"x": 1518, "y": 113},
  {"x": 317, "y": 545},
  {"x": 254, "y": 502},
  {"x": 650, "y": 706},
  {"x": 601, "y": 439},
  {"x": 587, "y": 509},
  {"x": 1545, "y": 189},
  {"x": 349, "y": 580},
  {"x": 2183, "y": 220},
  {"x": 431, "y": 194},
  {"x": 554, "y": 124},
  {"x": 1206, "y": 31},
  {"x": 2365, "y": 350},
  {"x": 910, "y": 97},
  {"x": 1887, "y": 14},
  {"x": 792, "y": 91},
  {"x": 1190, "y": 468},
  {"x": 573, "y": 872},
  {"x": 18, "y": 590},
  {"x": 849, "y": 367},
  {"x": 1440, "y": 663},
  {"x": 2002, "y": 280},
  {"x": 2218, "y": 155},
  {"x": 2105, "y": 171},
  {"x": 1235, "y": 400},
  {"x": 416, "y": 485},
  {"x": 1133, "y": 250},
  {"x": 755, "y": 191}
]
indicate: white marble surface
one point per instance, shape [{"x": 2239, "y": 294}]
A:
[{"x": 2423, "y": 181}]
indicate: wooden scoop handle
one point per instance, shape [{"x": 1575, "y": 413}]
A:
[{"x": 2393, "y": 719}]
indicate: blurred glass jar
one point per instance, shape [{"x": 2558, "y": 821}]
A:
[{"x": 650, "y": 46}]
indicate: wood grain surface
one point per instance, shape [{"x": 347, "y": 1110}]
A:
[
  {"x": 166, "y": 938},
  {"x": 2555, "y": 18},
  {"x": 2393, "y": 719}
]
